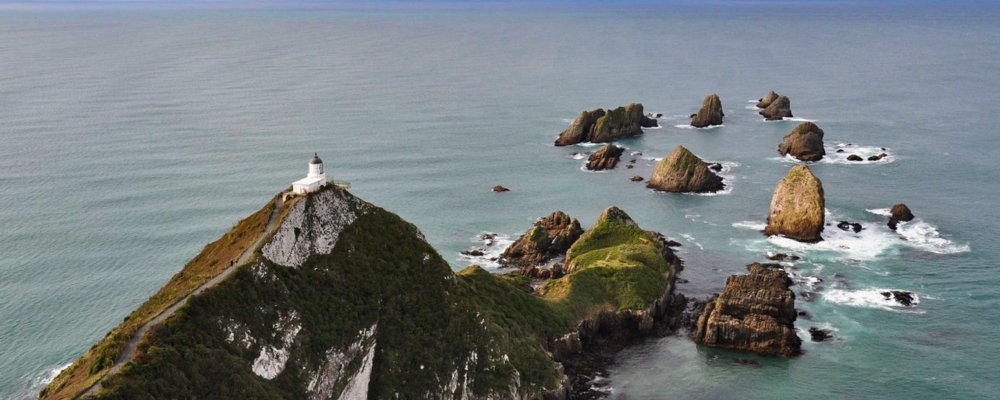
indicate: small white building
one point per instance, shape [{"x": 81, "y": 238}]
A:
[{"x": 315, "y": 180}]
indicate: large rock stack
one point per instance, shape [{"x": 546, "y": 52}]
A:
[
  {"x": 682, "y": 171},
  {"x": 710, "y": 112},
  {"x": 797, "y": 207},
  {"x": 754, "y": 313},
  {"x": 778, "y": 109},
  {"x": 601, "y": 126},
  {"x": 805, "y": 143}
]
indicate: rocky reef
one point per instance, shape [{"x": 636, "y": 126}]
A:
[
  {"x": 804, "y": 142},
  {"x": 682, "y": 171},
  {"x": 754, "y": 313},
  {"x": 549, "y": 238},
  {"x": 778, "y": 109},
  {"x": 899, "y": 213},
  {"x": 606, "y": 157},
  {"x": 710, "y": 112},
  {"x": 797, "y": 206},
  {"x": 601, "y": 126},
  {"x": 765, "y": 101}
]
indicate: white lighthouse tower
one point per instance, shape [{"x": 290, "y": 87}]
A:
[{"x": 314, "y": 180}]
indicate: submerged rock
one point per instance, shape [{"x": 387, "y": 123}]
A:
[
  {"x": 682, "y": 171},
  {"x": 605, "y": 158},
  {"x": 710, "y": 112},
  {"x": 779, "y": 109},
  {"x": 902, "y": 297},
  {"x": 636, "y": 178},
  {"x": 755, "y": 312},
  {"x": 899, "y": 213},
  {"x": 797, "y": 207},
  {"x": 550, "y": 237},
  {"x": 805, "y": 143},
  {"x": 765, "y": 101},
  {"x": 600, "y": 126},
  {"x": 819, "y": 334}
]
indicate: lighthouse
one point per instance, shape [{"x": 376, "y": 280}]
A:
[{"x": 314, "y": 180}]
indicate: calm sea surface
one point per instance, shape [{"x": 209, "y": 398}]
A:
[{"x": 131, "y": 138}]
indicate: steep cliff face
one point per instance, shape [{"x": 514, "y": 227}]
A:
[
  {"x": 755, "y": 313},
  {"x": 344, "y": 300}
]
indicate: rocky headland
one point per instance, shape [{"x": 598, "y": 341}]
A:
[
  {"x": 682, "y": 171},
  {"x": 797, "y": 207}
]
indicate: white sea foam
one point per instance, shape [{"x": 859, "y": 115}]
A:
[
  {"x": 689, "y": 238},
  {"x": 833, "y": 157},
  {"x": 924, "y": 236},
  {"x": 870, "y": 243},
  {"x": 589, "y": 144},
  {"x": 688, "y": 126},
  {"x": 492, "y": 249},
  {"x": 579, "y": 156},
  {"x": 752, "y": 225},
  {"x": 870, "y": 298},
  {"x": 797, "y": 119},
  {"x": 658, "y": 126}
]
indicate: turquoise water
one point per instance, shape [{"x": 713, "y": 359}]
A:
[{"x": 131, "y": 138}]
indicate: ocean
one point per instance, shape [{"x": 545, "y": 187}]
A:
[{"x": 132, "y": 136}]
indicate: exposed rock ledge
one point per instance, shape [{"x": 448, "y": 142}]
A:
[
  {"x": 601, "y": 126},
  {"x": 755, "y": 313}
]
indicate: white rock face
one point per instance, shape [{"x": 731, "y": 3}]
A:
[
  {"x": 312, "y": 226},
  {"x": 272, "y": 359},
  {"x": 333, "y": 371}
]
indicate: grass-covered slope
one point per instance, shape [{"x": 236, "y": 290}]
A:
[
  {"x": 379, "y": 314},
  {"x": 614, "y": 265},
  {"x": 213, "y": 259}
]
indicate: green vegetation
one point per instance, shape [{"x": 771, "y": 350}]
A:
[
  {"x": 212, "y": 260},
  {"x": 435, "y": 331}
]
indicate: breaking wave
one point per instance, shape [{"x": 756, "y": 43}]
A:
[
  {"x": 491, "y": 245},
  {"x": 871, "y": 298}
]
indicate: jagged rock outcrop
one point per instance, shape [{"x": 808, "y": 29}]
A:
[
  {"x": 601, "y": 126},
  {"x": 710, "y": 112},
  {"x": 605, "y": 158},
  {"x": 755, "y": 313},
  {"x": 765, "y": 101},
  {"x": 797, "y": 206},
  {"x": 805, "y": 143},
  {"x": 549, "y": 238},
  {"x": 779, "y": 109},
  {"x": 682, "y": 171},
  {"x": 899, "y": 213}
]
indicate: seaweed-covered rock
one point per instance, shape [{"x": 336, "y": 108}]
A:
[
  {"x": 682, "y": 171},
  {"x": 605, "y": 158},
  {"x": 765, "y": 101},
  {"x": 779, "y": 109},
  {"x": 805, "y": 143},
  {"x": 710, "y": 112},
  {"x": 601, "y": 126},
  {"x": 755, "y": 313},
  {"x": 550, "y": 237},
  {"x": 899, "y": 213},
  {"x": 797, "y": 207}
]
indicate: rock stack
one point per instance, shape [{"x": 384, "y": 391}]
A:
[
  {"x": 778, "y": 109},
  {"x": 710, "y": 112},
  {"x": 550, "y": 237},
  {"x": 765, "y": 101},
  {"x": 755, "y": 313},
  {"x": 682, "y": 171},
  {"x": 805, "y": 143},
  {"x": 797, "y": 207},
  {"x": 601, "y": 126},
  {"x": 899, "y": 213},
  {"x": 605, "y": 158}
]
